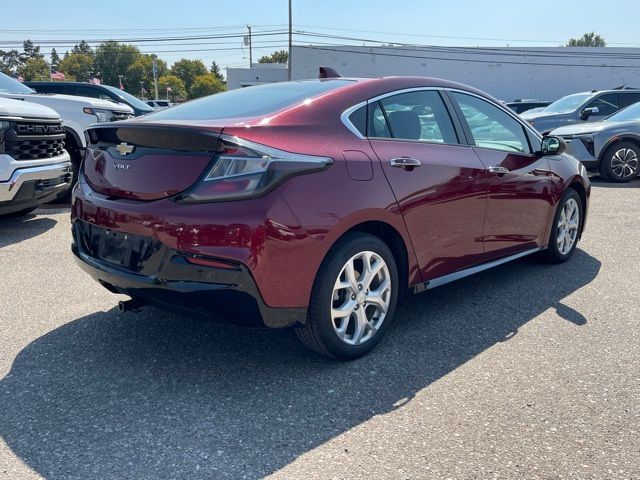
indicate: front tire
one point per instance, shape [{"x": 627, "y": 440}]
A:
[
  {"x": 354, "y": 298},
  {"x": 567, "y": 225},
  {"x": 620, "y": 162}
]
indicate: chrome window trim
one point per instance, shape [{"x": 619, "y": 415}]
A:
[{"x": 344, "y": 117}]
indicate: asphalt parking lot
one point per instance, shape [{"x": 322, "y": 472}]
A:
[{"x": 526, "y": 371}]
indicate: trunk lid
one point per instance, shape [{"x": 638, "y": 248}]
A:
[{"x": 147, "y": 162}]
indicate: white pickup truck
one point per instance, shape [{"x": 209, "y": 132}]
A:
[
  {"x": 77, "y": 114},
  {"x": 34, "y": 166}
]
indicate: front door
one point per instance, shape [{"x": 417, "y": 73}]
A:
[
  {"x": 439, "y": 184},
  {"x": 519, "y": 186}
]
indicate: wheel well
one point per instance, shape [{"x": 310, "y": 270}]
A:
[
  {"x": 72, "y": 144},
  {"x": 395, "y": 242},
  {"x": 634, "y": 140},
  {"x": 579, "y": 187}
]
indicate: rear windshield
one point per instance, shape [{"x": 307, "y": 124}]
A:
[{"x": 249, "y": 101}]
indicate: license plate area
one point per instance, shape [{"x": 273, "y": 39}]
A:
[{"x": 136, "y": 253}]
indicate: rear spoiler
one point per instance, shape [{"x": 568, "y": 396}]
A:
[{"x": 328, "y": 72}]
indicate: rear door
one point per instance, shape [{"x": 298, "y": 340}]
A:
[
  {"x": 520, "y": 183},
  {"x": 438, "y": 183}
]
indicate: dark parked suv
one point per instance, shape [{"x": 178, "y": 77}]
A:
[
  {"x": 83, "y": 89},
  {"x": 318, "y": 204}
]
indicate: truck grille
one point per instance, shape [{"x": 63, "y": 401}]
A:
[
  {"x": 121, "y": 116},
  {"x": 33, "y": 140}
]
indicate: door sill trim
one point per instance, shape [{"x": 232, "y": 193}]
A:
[{"x": 452, "y": 277}]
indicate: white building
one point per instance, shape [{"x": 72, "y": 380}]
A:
[
  {"x": 545, "y": 73},
  {"x": 257, "y": 74}
]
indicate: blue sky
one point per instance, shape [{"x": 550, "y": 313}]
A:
[{"x": 468, "y": 23}]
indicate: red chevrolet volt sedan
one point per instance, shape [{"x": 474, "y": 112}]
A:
[{"x": 318, "y": 204}]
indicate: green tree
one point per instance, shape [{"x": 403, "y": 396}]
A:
[
  {"x": 55, "y": 60},
  {"x": 204, "y": 85},
  {"x": 10, "y": 62},
  {"x": 178, "y": 91},
  {"x": 77, "y": 65},
  {"x": 188, "y": 70},
  {"x": 279, "y": 56},
  {"x": 113, "y": 59},
  {"x": 82, "y": 47},
  {"x": 141, "y": 70},
  {"x": 30, "y": 51},
  {"x": 35, "y": 69},
  {"x": 216, "y": 71},
  {"x": 588, "y": 40}
]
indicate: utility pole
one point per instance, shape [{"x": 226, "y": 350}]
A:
[
  {"x": 290, "y": 42},
  {"x": 250, "y": 52},
  {"x": 155, "y": 78},
  {"x": 141, "y": 89}
]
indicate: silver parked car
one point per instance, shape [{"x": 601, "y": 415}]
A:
[
  {"x": 582, "y": 107},
  {"x": 611, "y": 146}
]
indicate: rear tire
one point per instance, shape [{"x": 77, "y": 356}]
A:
[
  {"x": 566, "y": 228},
  {"x": 620, "y": 162},
  {"x": 351, "y": 306}
]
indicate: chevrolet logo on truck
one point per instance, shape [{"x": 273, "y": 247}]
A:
[{"x": 42, "y": 129}]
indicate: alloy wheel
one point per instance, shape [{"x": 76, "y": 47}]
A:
[
  {"x": 568, "y": 225},
  {"x": 361, "y": 297},
  {"x": 624, "y": 163}
]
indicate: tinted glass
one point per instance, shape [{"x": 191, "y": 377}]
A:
[
  {"x": 359, "y": 120},
  {"x": 9, "y": 85},
  {"x": 630, "y": 98},
  {"x": 606, "y": 104},
  {"x": 490, "y": 126},
  {"x": 419, "y": 116},
  {"x": 377, "y": 122},
  {"x": 250, "y": 101}
]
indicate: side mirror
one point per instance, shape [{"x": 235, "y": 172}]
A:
[
  {"x": 587, "y": 112},
  {"x": 553, "y": 146}
]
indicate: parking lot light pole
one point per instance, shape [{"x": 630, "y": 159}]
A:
[{"x": 290, "y": 42}]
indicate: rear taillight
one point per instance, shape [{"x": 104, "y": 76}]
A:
[{"x": 241, "y": 169}]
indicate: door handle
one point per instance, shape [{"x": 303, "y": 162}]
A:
[
  {"x": 498, "y": 170},
  {"x": 407, "y": 163}
]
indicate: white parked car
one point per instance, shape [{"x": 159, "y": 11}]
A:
[
  {"x": 77, "y": 114},
  {"x": 34, "y": 166}
]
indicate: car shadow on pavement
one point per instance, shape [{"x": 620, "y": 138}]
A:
[
  {"x": 597, "y": 181},
  {"x": 16, "y": 229},
  {"x": 157, "y": 395}
]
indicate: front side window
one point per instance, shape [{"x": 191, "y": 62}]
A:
[
  {"x": 606, "y": 104},
  {"x": 490, "y": 126},
  {"x": 419, "y": 115}
]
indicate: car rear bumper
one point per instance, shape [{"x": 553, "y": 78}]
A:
[
  {"x": 161, "y": 275},
  {"x": 30, "y": 187}
]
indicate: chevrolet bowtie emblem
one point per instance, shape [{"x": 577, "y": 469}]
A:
[{"x": 124, "y": 149}]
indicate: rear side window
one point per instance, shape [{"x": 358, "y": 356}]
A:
[
  {"x": 359, "y": 120},
  {"x": 251, "y": 101},
  {"x": 630, "y": 98},
  {"x": 419, "y": 116}
]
